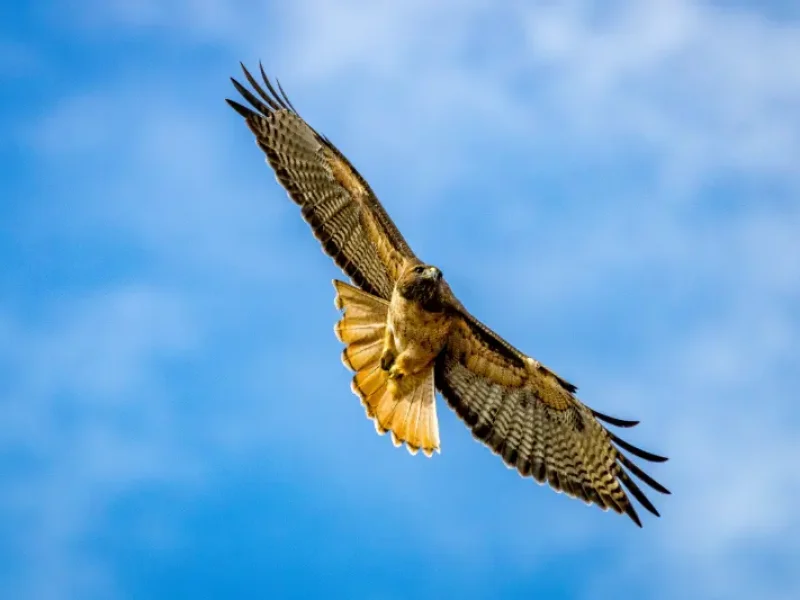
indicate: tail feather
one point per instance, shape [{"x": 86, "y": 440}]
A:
[
  {"x": 360, "y": 355},
  {"x": 408, "y": 410},
  {"x": 412, "y": 427},
  {"x": 427, "y": 433},
  {"x": 369, "y": 381},
  {"x": 414, "y": 419}
]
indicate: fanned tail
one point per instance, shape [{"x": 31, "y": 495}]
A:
[{"x": 407, "y": 410}]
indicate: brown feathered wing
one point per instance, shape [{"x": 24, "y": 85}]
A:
[
  {"x": 530, "y": 417},
  {"x": 336, "y": 201}
]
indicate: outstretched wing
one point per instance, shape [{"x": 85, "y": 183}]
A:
[
  {"x": 528, "y": 415},
  {"x": 335, "y": 200}
]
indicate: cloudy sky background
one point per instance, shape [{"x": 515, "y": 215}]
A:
[{"x": 614, "y": 188}]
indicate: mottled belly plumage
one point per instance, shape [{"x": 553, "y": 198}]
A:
[{"x": 417, "y": 335}]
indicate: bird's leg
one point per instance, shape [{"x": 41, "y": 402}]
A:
[
  {"x": 387, "y": 359},
  {"x": 407, "y": 362},
  {"x": 396, "y": 371},
  {"x": 389, "y": 350}
]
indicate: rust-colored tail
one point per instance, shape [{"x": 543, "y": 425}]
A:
[{"x": 408, "y": 409}]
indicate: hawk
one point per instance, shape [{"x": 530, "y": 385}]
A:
[{"x": 406, "y": 335}]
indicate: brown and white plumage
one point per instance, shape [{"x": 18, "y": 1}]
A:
[
  {"x": 335, "y": 200},
  {"x": 520, "y": 409}
]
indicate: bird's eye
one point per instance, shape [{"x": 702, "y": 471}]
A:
[{"x": 419, "y": 269}]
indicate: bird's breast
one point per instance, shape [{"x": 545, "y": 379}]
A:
[{"x": 413, "y": 326}]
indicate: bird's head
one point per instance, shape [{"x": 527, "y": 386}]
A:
[{"x": 422, "y": 283}]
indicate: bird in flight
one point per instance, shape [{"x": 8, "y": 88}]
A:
[{"x": 407, "y": 335}]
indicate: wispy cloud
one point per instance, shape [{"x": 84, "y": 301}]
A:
[{"x": 613, "y": 189}]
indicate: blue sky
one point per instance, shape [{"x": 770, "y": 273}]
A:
[{"x": 614, "y": 189}]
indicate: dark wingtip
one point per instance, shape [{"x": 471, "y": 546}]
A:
[
  {"x": 270, "y": 99},
  {"x": 258, "y": 89},
  {"x": 637, "y": 493},
  {"x": 629, "y": 464},
  {"x": 643, "y": 454},
  {"x": 248, "y": 95},
  {"x": 242, "y": 110},
  {"x": 275, "y": 95},
  {"x": 614, "y": 420},
  {"x": 631, "y": 512},
  {"x": 285, "y": 97}
]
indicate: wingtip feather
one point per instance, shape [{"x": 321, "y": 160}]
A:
[
  {"x": 636, "y": 451},
  {"x": 242, "y": 110},
  {"x": 617, "y": 422}
]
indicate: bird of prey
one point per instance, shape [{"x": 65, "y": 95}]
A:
[{"x": 407, "y": 335}]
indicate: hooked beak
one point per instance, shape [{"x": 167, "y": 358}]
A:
[{"x": 432, "y": 273}]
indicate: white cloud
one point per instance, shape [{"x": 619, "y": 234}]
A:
[
  {"x": 80, "y": 408},
  {"x": 418, "y": 94},
  {"x": 94, "y": 348},
  {"x": 196, "y": 20},
  {"x": 710, "y": 89},
  {"x": 705, "y": 89}
]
